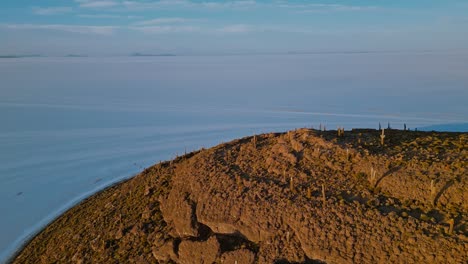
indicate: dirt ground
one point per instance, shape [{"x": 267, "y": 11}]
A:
[{"x": 305, "y": 196}]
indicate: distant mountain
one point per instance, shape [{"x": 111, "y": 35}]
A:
[
  {"x": 459, "y": 127},
  {"x": 151, "y": 55},
  {"x": 76, "y": 56},
  {"x": 19, "y": 56}
]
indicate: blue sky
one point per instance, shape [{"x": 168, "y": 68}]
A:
[{"x": 105, "y": 27}]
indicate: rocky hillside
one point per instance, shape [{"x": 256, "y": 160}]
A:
[{"x": 305, "y": 196}]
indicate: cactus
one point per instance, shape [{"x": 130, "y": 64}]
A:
[
  {"x": 317, "y": 152},
  {"x": 380, "y": 126},
  {"x": 451, "y": 222},
  {"x": 239, "y": 183},
  {"x": 340, "y": 131},
  {"x": 404, "y": 127},
  {"x": 373, "y": 177},
  {"x": 255, "y": 141},
  {"x": 291, "y": 184},
  {"x": 324, "y": 198},
  {"x": 382, "y": 137},
  {"x": 433, "y": 192},
  {"x": 309, "y": 193}
]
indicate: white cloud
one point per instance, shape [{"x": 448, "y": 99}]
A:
[
  {"x": 165, "y": 29},
  {"x": 164, "y": 4},
  {"x": 229, "y": 4},
  {"x": 107, "y": 16},
  {"x": 318, "y": 7},
  {"x": 163, "y": 20},
  {"x": 136, "y": 5},
  {"x": 239, "y": 28},
  {"x": 98, "y": 30},
  {"x": 97, "y": 3},
  {"x": 45, "y": 11}
]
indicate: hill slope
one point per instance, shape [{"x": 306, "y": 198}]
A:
[{"x": 304, "y": 196}]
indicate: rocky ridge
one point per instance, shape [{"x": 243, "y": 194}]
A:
[{"x": 305, "y": 196}]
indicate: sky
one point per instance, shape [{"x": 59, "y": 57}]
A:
[{"x": 119, "y": 27}]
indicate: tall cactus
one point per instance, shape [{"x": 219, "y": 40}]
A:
[
  {"x": 373, "y": 177},
  {"x": 382, "y": 137}
]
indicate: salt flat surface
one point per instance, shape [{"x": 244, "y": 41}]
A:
[{"x": 72, "y": 126}]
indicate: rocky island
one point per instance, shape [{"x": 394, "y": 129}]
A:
[{"x": 305, "y": 196}]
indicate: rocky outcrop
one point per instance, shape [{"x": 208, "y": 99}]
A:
[
  {"x": 179, "y": 210},
  {"x": 300, "y": 197},
  {"x": 203, "y": 252},
  {"x": 261, "y": 205}
]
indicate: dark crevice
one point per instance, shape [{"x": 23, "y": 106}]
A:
[
  {"x": 176, "y": 244},
  {"x": 236, "y": 241},
  {"x": 204, "y": 232},
  {"x": 307, "y": 261}
]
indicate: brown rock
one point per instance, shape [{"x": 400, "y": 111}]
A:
[
  {"x": 165, "y": 252},
  {"x": 179, "y": 210},
  {"x": 204, "y": 252},
  {"x": 240, "y": 256}
]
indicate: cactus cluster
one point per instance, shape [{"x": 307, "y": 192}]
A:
[
  {"x": 340, "y": 131},
  {"x": 322, "y": 127}
]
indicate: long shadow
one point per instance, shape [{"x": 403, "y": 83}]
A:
[
  {"x": 439, "y": 194},
  {"x": 389, "y": 172}
]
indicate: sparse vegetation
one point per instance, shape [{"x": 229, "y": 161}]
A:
[{"x": 235, "y": 200}]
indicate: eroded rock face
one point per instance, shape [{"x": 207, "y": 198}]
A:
[
  {"x": 241, "y": 256},
  {"x": 179, "y": 210},
  {"x": 203, "y": 252},
  {"x": 165, "y": 251}
]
